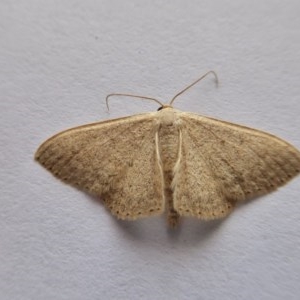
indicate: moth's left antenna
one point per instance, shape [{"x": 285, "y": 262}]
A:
[{"x": 133, "y": 96}]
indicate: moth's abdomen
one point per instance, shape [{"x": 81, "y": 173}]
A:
[{"x": 168, "y": 142}]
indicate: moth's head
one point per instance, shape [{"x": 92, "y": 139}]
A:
[{"x": 164, "y": 106}]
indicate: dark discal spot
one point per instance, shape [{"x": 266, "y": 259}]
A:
[
  {"x": 187, "y": 210},
  {"x": 151, "y": 210},
  {"x": 127, "y": 214},
  {"x": 239, "y": 179},
  {"x": 139, "y": 213}
]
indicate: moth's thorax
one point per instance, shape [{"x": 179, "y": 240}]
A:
[
  {"x": 168, "y": 137},
  {"x": 167, "y": 116}
]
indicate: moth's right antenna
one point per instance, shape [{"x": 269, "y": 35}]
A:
[
  {"x": 192, "y": 84},
  {"x": 133, "y": 96}
]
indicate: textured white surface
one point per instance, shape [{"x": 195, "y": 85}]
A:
[{"x": 58, "y": 60}]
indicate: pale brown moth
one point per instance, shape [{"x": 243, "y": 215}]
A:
[{"x": 179, "y": 162}]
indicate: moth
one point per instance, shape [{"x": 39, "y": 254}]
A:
[{"x": 170, "y": 161}]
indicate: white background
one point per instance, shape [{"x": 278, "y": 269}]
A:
[{"x": 58, "y": 61}]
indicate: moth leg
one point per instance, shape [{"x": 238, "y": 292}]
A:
[{"x": 173, "y": 215}]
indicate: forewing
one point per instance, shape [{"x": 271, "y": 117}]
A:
[
  {"x": 223, "y": 163},
  {"x": 115, "y": 160}
]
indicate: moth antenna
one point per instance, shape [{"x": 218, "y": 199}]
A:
[
  {"x": 192, "y": 84},
  {"x": 133, "y": 96}
]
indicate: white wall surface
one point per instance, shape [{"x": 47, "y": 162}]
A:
[{"x": 58, "y": 61}]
